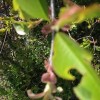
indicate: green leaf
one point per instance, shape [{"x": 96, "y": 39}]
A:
[
  {"x": 97, "y": 48},
  {"x": 76, "y": 14},
  {"x": 68, "y": 55},
  {"x": 21, "y": 28},
  {"x": 31, "y": 8},
  {"x": 2, "y": 30}
]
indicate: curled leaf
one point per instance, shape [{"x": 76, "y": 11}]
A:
[
  {"x": 49, "y": 76},
  {"x": 67, "y": 16},
  {"x": 31, "y": 95},
  {"x": 76, "y": 14},
  {"x": 46, "y": 94}
]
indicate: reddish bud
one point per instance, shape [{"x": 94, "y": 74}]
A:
[
  {"x": 46, "y": 29},
  {"x": 49, "y": 77}
]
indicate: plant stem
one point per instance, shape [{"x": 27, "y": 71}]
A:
[{"x": 52, "y": 40}]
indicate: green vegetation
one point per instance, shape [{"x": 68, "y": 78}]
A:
[{"x": 26, "y": 30}]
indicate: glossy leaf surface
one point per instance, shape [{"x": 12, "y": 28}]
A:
[
  {"x": 31, "y": 8},
  {"x": 21, "y": 29},
  {"x": 68, "y": 55}
]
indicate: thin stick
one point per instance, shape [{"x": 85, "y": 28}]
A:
[
  {"x": 52, "y": 41},
  {"x": 6, "y": 30},
  {"x": 3, "y": 42}
]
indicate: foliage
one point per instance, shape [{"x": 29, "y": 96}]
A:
[
  {"x": 41, "y": 12},
  {"x": 76, "y": 14},
  {"x": 86, "y": 2},
  {"x": 21, "y": 58},
  {"x": 21, "y": 29},
  {"x": 71, "y": 52}
]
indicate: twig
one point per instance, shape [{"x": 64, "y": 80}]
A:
[
  {"x": 6, "y": 30},
  {"x": 92, "y": 28},
  {"x": 52, "y": 40},
  {"x": 3, "y": 42},
  {"x": 93, "y": 41},
  {"x": 71, "y": 36}
]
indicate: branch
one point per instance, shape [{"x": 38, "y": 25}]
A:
[{"x": 52, "y": 40}]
